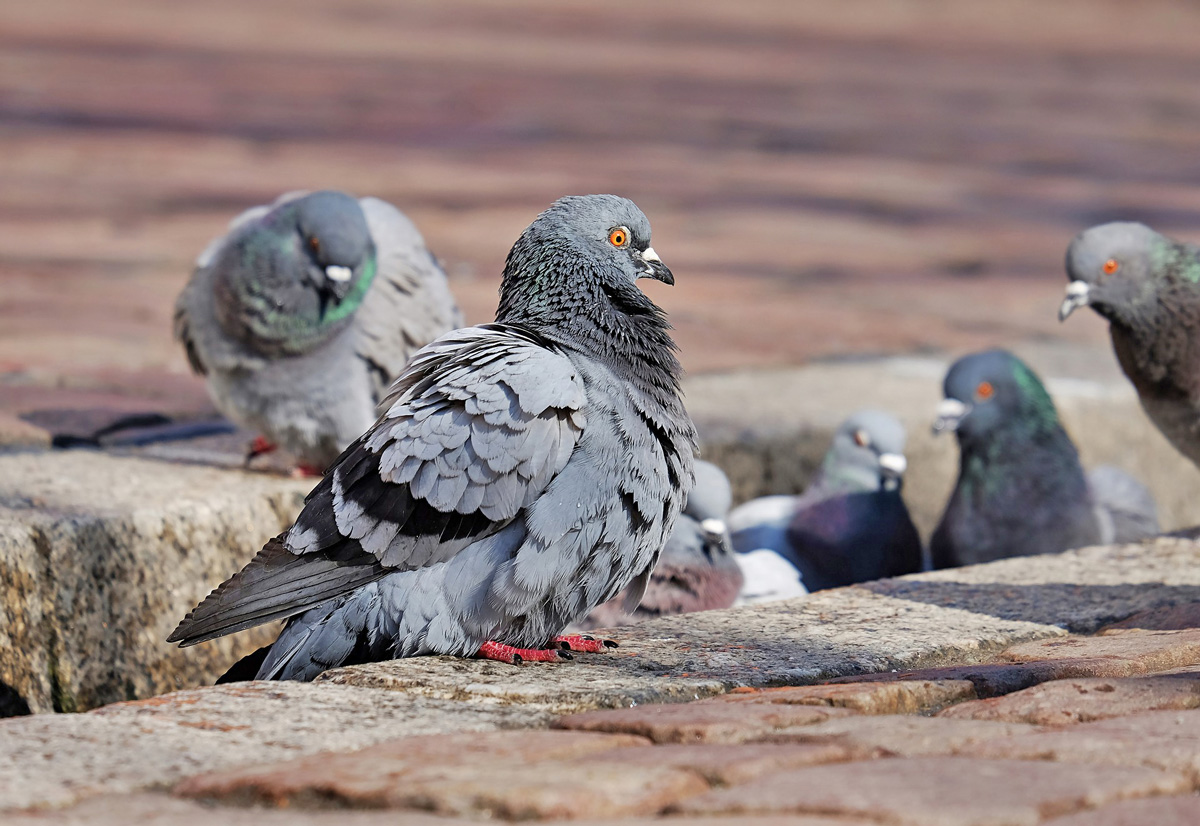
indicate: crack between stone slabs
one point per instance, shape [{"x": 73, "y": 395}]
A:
[{"x": 61, "y": 700}]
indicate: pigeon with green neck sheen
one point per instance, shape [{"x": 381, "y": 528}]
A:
[
  {"x": 522, "y": 473},
  {"x": 300, "y": 317},
  {"x": 697, "y": 570},
  {"x": 1147, "y": 286},
  {"x": 1021, "y": 489},
  {"x": 851, "y": 524}
]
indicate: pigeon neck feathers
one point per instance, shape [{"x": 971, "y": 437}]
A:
[{"x": 565, "y": 285}]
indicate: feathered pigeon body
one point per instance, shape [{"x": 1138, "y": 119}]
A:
[
  {"x": 303, "y": 314},
  {"x": 1021, "y": 489},
  {"x": 523, "y": 472},
  {"x": 696, "y": 571},
  {"x": 1148, "y": 288},
  {"x": 851, "y": 524}
]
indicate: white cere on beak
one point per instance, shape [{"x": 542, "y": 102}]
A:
[
  {"x": 949, "y": 414},
  {"x": 338, "y": 273},
  {"x": 1077, "y": 296},
  {"x": 893, "y": 463},
  {"x": 648, "y": 254},
  {"x": 713, "y": 528}
]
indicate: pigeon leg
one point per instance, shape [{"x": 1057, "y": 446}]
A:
[
  {"x": 584, "y": 643},
  {"x": 259, "y": 447},
  {"x": 304, "y": 471},
  {"x": 508, "y": 654}
]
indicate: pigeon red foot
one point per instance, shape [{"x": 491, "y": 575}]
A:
[
  {"x": 565, "y": 643},
  {"x": 260, "y": 447}
]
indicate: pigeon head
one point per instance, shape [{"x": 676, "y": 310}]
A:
[
  {"x": 335, "y": 243},
  {"x": 710, "y": 497},
  {"x": 989, "y": 392},
  {"x": 580, "y": 259},
  {"x": 290, "y": 279},
  {"x": 1119, "y": 268},
  {"x": 867, "y": 453}
]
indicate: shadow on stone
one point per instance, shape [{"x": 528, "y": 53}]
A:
[
  {"x": 12, "y": 704},
  {"x": 1081, "y": 609}
]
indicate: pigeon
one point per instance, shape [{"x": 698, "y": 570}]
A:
[
  {"x": 1148, "y": 288},
  {"x": 302, "y": 315},
  {"x": 697, "y": 570},
  {"x": 850, "y": 525},
  {"x": 1021, "y": 489},
  {"x": 522, "y": 473}
]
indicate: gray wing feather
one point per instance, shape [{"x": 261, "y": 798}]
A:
[
  {"x": 409, "y": 304},
  {"x": 400, "y": 498}
]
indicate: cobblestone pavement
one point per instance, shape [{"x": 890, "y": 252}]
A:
[{"x": 1099, "y": 726}]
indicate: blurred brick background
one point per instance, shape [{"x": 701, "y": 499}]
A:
[{"x": 825, "y": 179}]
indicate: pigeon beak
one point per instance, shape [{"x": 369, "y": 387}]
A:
[
  {"x": 1077, "y": 296},
  {"x": 653, "y": 267},
  {"x": 714, "y": 529},
  {"x": 892, "y": 465},
  {"x": 336, "y": 273},
  {"x": 949, "y": 413}
]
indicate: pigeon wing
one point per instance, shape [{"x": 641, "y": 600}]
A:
[
  {"x": 474, "y": 430},
  {"x": 409, "y": 303}
]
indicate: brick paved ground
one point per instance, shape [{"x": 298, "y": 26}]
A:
[
  {"x": 901, "y": 749},
  {"x": 892, "y": 176}
]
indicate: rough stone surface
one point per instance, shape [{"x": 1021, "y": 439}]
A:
[
  {"x": 898, "y": 697},
  {"x": 1133, "y": 651},
  {"x": 162, "y": 810},
  {"x": 1081, "y": 590},
  {"x": 897, "y": 735},
  {"x": 725, "y": 764},
  {"x": 54, "y": 760},
  {"x": 99, "y": 559},
  {"x": 1167, "y": 618},
  {"x": 1064, "y": 702},
  {"x": 700, "y": 722},
  {"x": 1161, "y": 739},
  {"x": 1152, "y": 811},
  {"x": 512, "y": 775},
  {"x": 939, "y": 791}
]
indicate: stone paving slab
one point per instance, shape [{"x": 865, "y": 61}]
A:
[
  {"x": 700, "y": 722},
  {"x": 899, "y": 735},
  {"x": 54, "y": 760},
  {"x": 1151, "y": 811},
  {"x": 1064, "y": 702},
  {"x": 898, "y": 697},
  {"x": 99, "y": 559},
  {"x": 940, "y": 791},
  {"x": 514, "y": 776},
  {"x": 1168, "y": 740}
]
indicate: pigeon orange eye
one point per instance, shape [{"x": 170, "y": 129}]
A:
[
  {"x": 619, "y": 237},
  {"x": 315, "y": 244},
  {"x": 984, "y": 391},
  {"x": 1111, "y": 266},
  {"x": 862, "y": 438}
]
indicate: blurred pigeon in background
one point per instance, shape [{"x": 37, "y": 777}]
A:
[
  {"x": 523, "y": 473},
  {"x": 1021, "y": 488},
  {"x": 303, "y": 314},
  {"x": 1148, "y": 287},
  {"x": 696, "y": 571},
  {"x": 850, "y": 524}
]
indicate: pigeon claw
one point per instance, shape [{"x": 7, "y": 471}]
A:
[
  {"x": 259, "y": 447},
  {"x": 514, "y": 656},
  {"x": 584, "y": 643}
]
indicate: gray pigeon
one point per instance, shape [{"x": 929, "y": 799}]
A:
[
  {"x": 303, "y": 314},
  {"x": 851, "y": 524},
  {"x": 523, "y": 472},
  {"x": 1021, "y": 489},
  {"x": 1148, "y": 288},
  {"x": 697, "y": 570}
]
